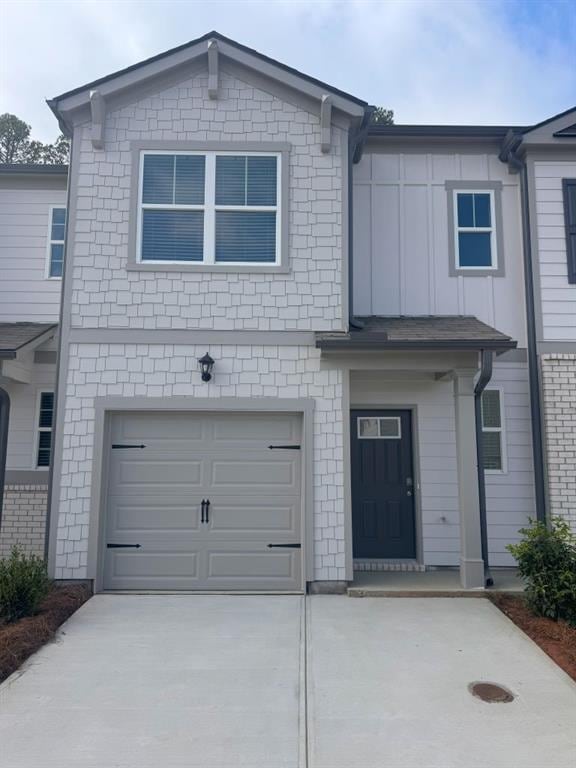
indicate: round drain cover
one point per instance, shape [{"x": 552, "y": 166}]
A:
[{"x": 491, "y": 692}]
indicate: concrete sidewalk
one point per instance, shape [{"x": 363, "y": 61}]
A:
[
  {"x": 387, "y": 687},
  {"x": 167, "y": 681}
]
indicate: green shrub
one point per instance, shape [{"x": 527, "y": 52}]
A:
[
  {"x": 24, "y": 583},
  {"x": 547, "y": 561}
]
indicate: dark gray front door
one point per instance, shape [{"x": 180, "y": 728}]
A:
[{"x": 383, "y": 519}]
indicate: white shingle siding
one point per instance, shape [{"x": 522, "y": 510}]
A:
[
  {"x": 23, "y": 519},
  {"x": 559, "y": 396},
  {"x": 172, "y": 370},
  {"x": 309, "y": 297}
]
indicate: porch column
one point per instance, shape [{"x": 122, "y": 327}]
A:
[{"x": 471, "y": 562}]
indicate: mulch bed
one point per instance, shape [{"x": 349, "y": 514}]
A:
[
  {"x": 556, "y": 638},
  {"x": 22, "y": 638}
]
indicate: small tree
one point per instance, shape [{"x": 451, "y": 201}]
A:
[
  {"x": 14, "y": 139},
  {"x": 383, "y": 116}
]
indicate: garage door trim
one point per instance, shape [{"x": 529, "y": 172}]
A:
[{"x": 106, "y": 406}]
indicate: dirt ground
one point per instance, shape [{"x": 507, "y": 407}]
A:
[
  {"x": 22, "y": 638},
  {"x": 556, "y": 638}
]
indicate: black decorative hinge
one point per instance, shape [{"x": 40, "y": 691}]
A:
[
  {"x": 120, "y": 445},
  {"x": 123, "y": 546},
  {"x": 284, "y": 447},
  {"x": 284, "y": 546}
]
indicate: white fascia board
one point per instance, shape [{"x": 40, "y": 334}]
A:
[{"x": 180, "y": 58}]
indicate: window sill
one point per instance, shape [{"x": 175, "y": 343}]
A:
[
  {"x": 171, "y": 266},
  {"x": 476, "y": 272}
]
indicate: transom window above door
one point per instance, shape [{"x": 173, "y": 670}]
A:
[
  {"x": 379, "y": 428},
  {"x": 210, "y": 208}
]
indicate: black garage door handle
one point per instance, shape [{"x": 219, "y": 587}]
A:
[
  {"x": 123, "y": 546},
  {"x": 284, "y": 546}
]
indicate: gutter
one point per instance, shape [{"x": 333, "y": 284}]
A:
[
  {"x": 486, "y": 362},
  {"x": 509, "y": 155},
  {"x": 355, "y": 145},
  {"x": 4, "y": 420}
]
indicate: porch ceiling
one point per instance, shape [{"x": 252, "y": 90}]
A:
[{"x": 455, "y": 332}]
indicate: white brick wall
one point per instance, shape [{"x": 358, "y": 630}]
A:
[
  {"x": 308, "y": 298},
  {"x": 23, "y": 518},
  {"x": 559, "y": 390},
  {"x": 159, "y": 370}
]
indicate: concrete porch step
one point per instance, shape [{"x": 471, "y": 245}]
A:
[{"x": 437, "y": 583}]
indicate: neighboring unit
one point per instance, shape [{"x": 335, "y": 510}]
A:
[
  {"x": 295, "y": 345},
  {"x": 32, "y": 228}
]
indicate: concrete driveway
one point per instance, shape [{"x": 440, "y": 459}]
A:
[{"x": 214, "y": 681}]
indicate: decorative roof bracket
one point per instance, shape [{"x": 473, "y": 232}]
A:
[
  {"x": 98, "y": 113},
  {"x": 325, "y": 123},
  {"x": 212, "y": 69}
]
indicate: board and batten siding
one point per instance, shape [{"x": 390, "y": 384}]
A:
[
  {"x": 401, "y": 240},
  {"x": 558, "y": 297},
  {"x": 25, "y": 292},
  {"x": 510, "y": 497}
]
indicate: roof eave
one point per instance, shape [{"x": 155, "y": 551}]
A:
[
  {"x": 383, "y": 345},
  {"x": 119, "y": 81}
]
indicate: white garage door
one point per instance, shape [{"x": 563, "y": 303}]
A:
[{"x": 203, "y": 501}]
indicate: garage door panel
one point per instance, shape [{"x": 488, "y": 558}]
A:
[
  {"x": 168, "y": 570},
  {"x": 235, "y": 566},
  {"x": 258, "y": 474},
  {"x": 158, "y": 427},
  {"x": 257, "y": 429},
  {"x": 254, "y": 518},
  {"x": 170, "y": 471},
  {"x": 152, "y": 514}
]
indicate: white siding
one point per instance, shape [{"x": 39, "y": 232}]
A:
[
  {"x": 558, "y": 297},
  {"x": 401, "y": 259},
  {"x": 25, "y": 293},
  {"x": 510, "y": 496},
  {"x": 24, "y": 414},
  {"x": 435, "y": 454}
]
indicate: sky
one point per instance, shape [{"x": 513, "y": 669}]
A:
[{"x": 484, "y": 62}]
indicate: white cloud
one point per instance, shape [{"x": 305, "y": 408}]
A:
[{"x": 470, "y": 61}]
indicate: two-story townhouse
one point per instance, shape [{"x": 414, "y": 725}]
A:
[
  {"x": 32, "y": 225},
  {"x": 544, "y": 155},
  {"x": 209, "y": 225}
]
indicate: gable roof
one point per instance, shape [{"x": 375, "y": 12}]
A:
[
  {"x": 182, "y": 54},
  {"x": 14, "y": 337}
]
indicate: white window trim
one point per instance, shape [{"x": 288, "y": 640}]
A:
[
  {"x": 210, "y": 208},
  {"x": 492, "y": 230},
  {"x": 38, "y": 429},
  {"x": 379, "y": 437},
  {"x": 502, "y": 430},
  {"x": 47, "y": 275}
]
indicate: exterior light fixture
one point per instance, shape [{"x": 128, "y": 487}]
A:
[{"x": 206, "y": 365}]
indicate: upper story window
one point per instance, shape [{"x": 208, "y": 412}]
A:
[
  {"x": 475, "y": 241},
  {"x": 209, "y": 208},
  {"x": 475, "y": 228},
  {"x": 56, "y": 242},
  {"x": 569, "y": 186}
]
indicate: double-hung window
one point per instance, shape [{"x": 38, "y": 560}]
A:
[
  {"x": 56, "y": 242},
  {"x": 45, "y": 423},
  {"x": 210, "y": 208},
  {"x": 493, "y": 431},
  {"x": 474, "y": 237}
]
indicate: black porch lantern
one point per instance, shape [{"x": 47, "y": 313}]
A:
[{"x": 206, "y": 365}]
